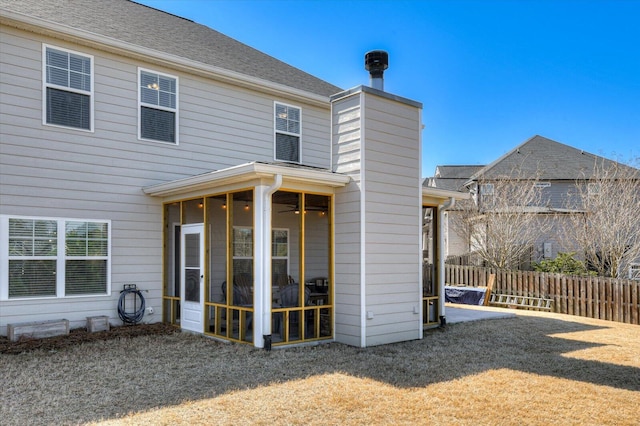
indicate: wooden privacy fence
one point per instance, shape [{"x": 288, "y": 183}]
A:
[{"x": 593, "y": 297}]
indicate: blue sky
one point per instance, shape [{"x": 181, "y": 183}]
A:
[{"x": 489, "y": 73}]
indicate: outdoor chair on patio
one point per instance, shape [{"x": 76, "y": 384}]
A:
[
  {"x": 242, "y": 296},
  {"x": 289, "y": 298}
]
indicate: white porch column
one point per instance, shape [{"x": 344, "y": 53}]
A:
[
  {"x": 262, "y": 261},
  {"x": 441, "y": 256}
]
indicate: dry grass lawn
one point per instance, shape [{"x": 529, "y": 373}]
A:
[{"x": 534, "y": 369}]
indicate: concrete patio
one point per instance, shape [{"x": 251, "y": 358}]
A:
[{"x": 456, "y": 313}]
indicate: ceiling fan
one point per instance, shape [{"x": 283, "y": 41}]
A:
[{"x": 295, "y": 208}]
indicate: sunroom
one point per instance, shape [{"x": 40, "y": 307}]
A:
[{"x": 248, "y": 253}]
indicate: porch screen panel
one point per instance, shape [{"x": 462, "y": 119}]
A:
[
  {"x": 216, "y": 219},
  {"x": 317, "y": 247}
]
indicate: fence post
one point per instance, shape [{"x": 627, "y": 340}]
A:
[
  {"x": 589, "y": 285},
  {"x": 635, "y": 301},
  {"x": 615, "y": 306}
]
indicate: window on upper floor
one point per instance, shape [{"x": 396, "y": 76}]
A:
[
  {"x": 634, "y": 271},
  {"x": 486, "y": 189},
  {"x": 49, "y": 257},
  {"x": 287, "y": 133},
  {"x": 68, "y": 88},
  {"x": 487, "y": 195},
  {"x": 158, "y": 103}
]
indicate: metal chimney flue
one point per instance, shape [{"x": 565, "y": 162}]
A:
[{"x": 376, "y": 62}]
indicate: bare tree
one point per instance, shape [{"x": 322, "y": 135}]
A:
[
  {"x": 503, "y": 220},
  {"x": 608, "y": 229}
]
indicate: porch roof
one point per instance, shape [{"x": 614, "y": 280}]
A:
[
  {"x": 439, "y": 196},
  {"x": 246, "y": 172}
]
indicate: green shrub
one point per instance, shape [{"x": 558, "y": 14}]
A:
[{"x": 564, "y": 263}]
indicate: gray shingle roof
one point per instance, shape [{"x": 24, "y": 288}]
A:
[
  {"x": 452, "y": 177},
  {"x": 447, "y": 183},
  {"x": 150, "y": 28},
  {"x": 554, "y": 160}
]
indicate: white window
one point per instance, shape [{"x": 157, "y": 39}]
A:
[
  {"x": 287, "y": 133},
  {"x": 280, "y": 252},
  {"x": 68, "y": 88},
  {"x": 486, "y": 189},
  {"x": 634, "y": 271},
  {"x": 486, "y": 195},
  {"x": 242, "y": 250},
  {"x": 158, "y": 106},
  {"x": 48, "y": 257}
]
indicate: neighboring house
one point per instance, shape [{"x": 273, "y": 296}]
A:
[
  {"x": 452, "y": 178},
  {"x": 244, "y": 199},
  {"x": 554, "y": 168}
]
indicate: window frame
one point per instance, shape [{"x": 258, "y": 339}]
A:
[
  {"x": 46, "y": 85},
  {"x": 60, "y": 258},
  {"x": 634, "y": 271},
  {"x": 287, "y": 133},
  {"x": 273, "y": 243},
  {"x": 233, "y": 247},
  {"x": 487, "y": 189},
  {"x": 486, "y": 194},
  {"x": 142, "y": 104}
]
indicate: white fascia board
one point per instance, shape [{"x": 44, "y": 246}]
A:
[
  {"x": 243, "y": 173},
  {"x": 134, "y": 51}
]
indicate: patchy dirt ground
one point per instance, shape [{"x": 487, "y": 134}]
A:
[
  {"x": 81, "y": 335},
  {"x": 533, "y": 368}
]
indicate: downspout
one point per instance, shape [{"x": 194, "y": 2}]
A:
[
  {"x": 266, "y": 278},
  {"x": 441, "y": 210}
]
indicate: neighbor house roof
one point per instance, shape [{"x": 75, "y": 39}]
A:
[
  {"x": 157, "y": 31},
  {"x": 546, "y": 159},
  {"x": 451, "y": 177}
]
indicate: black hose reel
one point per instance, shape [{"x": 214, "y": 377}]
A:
[{"x": 134, "y": 315}]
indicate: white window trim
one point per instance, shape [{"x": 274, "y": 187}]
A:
[
  {"x": 275, "y": 132},
  {"x": 252, "y": 244},
  {"x": 45, "y": 85},
  {"x": 288, "y": 248},
  {"x": 175, "y": 110},
  {"x": 61, "y": 257},
  {"x": 486, "y": 189}
]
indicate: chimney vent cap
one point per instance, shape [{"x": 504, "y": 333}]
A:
[{"x": 376, "y": 61}]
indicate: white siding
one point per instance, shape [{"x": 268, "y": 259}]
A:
[
  {"x": 347, "y": 159},
  {"x": 392, "y": 182},
  {"x": 376, "y": 141},
  {"x": 57, "y": 172}
]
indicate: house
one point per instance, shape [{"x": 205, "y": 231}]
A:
[
  {"x": 145, "y": 157},
  {"x": 452, "y": 178},
  {"x": 554, "y": 169}
]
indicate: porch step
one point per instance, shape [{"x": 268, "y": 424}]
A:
[{"x": 511, "y": 301}]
